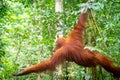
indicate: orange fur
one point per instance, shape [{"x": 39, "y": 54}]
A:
[{"x": 72, "y": 49}]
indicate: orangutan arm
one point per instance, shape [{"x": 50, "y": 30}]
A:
[
  {"x": 77, "y": 32},
  {"x": 50, "y": 64}
]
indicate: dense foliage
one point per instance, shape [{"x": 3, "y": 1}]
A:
[{"x": 28, "y": 30}]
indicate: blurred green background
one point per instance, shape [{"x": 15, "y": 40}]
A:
[{"x": 28, "y": 31}]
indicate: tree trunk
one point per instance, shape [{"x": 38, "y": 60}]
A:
[
  {"x": 38, "y": 76},
  {"x": 59, "y": 9}
]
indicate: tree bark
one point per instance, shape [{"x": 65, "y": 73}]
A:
[{"x": 59, "y": 9}]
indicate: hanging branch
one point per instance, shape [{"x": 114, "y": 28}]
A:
[
  {"x": 91, "y": 24},
  {"x": 96, "y": 26},
  {"x": 19, "y": 48}
]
